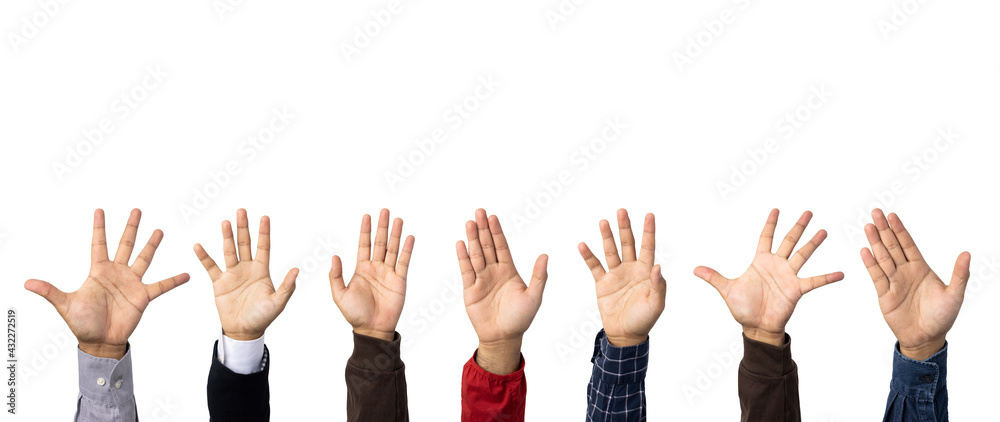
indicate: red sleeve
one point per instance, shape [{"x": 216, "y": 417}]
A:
[{"x": 492, "y": 397}]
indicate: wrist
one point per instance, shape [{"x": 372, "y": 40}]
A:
[
  {"x": 500, "y": 357},
  {"x": 104, "y": 350},
  {"x": 923, "y": 351},
  {"x": 379, "y": 334},
  {"x": 774, "y": 338},
  {"x": 626, "y": 341},
  {"x": 242, "y": 336}
]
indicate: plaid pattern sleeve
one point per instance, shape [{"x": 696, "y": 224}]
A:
[{"x": 617, "y": 390}]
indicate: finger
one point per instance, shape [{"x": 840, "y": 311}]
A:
[
  {"x": 337, "y": 285},
  {"x": 381, "y": 236},
  {"x": 465, "y": 265},
  {"x": 403, "y": 264},
  {"x": 714, "y": 278},
  {"x": 808, "y": 284},
  {"x": 154, "y": 290},
  {"x": 610, "y": 249},
  {"x": 264, "y": 241},
  {"x": 284, "y": 292},
  {"x": 56, "y": 297},
  {"x": 243, "y": 234},
  {"x": 206, "y": 261},
  {"x": 792, "y": 238},
  {"x": 128, "y": 238},
  {"x": 647, "y": 252},
  {"x": 475, "y": 248},
  {"x": 625, "y": 233},
  {"x": 875, "y": 271},
  {"x": 960, "y": 275},
  {"x": 485, "y": 237},
  {"x": 145, "y": 257},
  {"x": 538, "y": 277},
  {"x": 229, "y": 245},
  {"x": 365, "y": 241},
  {"x": 99, "y": 242},
  {"x": 592, "y": 262},
  {"x": 806, "y": 251},
  {"x": 393, "y": 250},
  {"x": 767, "y": 235},
  {"x": 500, "y": 241},
  {"x": 657, "y": 283},
  {"x": 888, "y": 237},
  {"x": 905, "y": 240},
  {"x": 878, "y": 249}
]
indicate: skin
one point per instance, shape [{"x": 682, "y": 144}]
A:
[
  {"x": 373, "y": 301},
  {"x": 917, "y": 305},
  {"x": 631, "y": 292},
  {"x": 500, "y": 305},
  {"x": 107, "y": 308},
  {"x": 244, "y": 294},
  {"x": 763, "y": 298}
]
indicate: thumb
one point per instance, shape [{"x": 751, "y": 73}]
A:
[
  {"x": 286, "y": 289},
  {"x": 337, "y": 285},
  {"x": 960, "y": 276},
  {"x": 714, "y": 278},
  {"x": 55, "y": 296},
  {"x": 658, "y": 284},
  {"x": 538, "y": 277}
]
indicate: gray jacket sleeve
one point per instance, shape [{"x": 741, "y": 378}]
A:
[{"x": 105, "y": 389}]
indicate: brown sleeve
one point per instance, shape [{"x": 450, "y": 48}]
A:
[
  {"x": 376, "y": 383},
  {"x": 768, "y": 382}
]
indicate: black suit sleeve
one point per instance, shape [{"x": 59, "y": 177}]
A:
[{"x": 236, "y": 397}]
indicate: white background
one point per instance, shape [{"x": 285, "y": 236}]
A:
[{"x": 689, "y": 129}]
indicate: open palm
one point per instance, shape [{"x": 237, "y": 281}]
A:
[
  {"x": 917, "y": 305},
  {"x": 244, "y": 294},
  {"x": 631, "y": 293},
  {"x": 763, "y": 298},
  {"x": 106, "y": 310},
  {"x": 500, "y": 305},
  {"x": 373, "y": 301}
]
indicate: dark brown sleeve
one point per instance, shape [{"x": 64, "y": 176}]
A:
[
  {"x": 768, "y": 383},
  {"x": 376, "y": 384}
]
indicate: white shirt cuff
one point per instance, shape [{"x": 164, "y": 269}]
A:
[{"x": 241, "y": 357}]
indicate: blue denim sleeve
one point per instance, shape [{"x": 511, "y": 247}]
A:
[
  {"x": 617, "y": 390},
  {"x": 918, "y": 391}
]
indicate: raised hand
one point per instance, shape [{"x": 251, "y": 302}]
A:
[
  {"x": 631, "y": 292},
  {"x": 499, "y": 304},
  {"x": 917, "y": 305},
  {"x": 244, "y": 294},
  {"x": 763, "y": 298},
  {"x": 106, "y": 309},
  {"x": 373, "y": 301}
]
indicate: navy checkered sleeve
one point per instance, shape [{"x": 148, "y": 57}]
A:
[{"x": 617, "y": 390}]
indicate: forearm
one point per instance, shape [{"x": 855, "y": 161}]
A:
[
  {"x": 918, "y": 390},
  {"x": 376, "y": 380},
  {"x": 768, "y": 382},
  {"x": 500, "y": 357},
  {"x": 617, "y": 389},
  {"x": 106, "y": 392}
]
